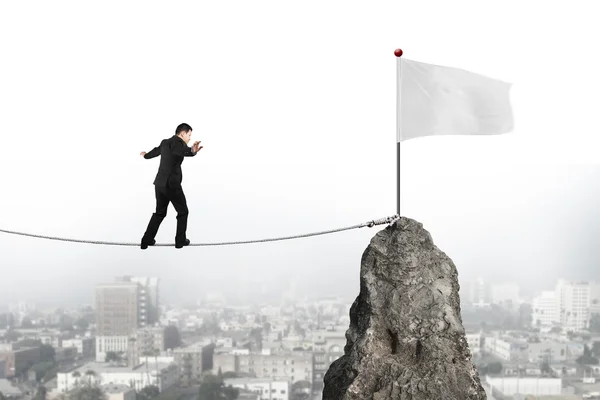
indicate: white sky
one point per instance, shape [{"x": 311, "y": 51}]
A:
[{"x": 295, "y": 105}]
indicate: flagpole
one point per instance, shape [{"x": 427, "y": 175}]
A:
[{"x": 398, "y": 54}]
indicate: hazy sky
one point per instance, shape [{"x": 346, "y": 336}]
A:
[{"x": 294, "y": 103}]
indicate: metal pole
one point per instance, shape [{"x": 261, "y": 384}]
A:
[
  {"x": 398, "y": 179},
  {"x": 398, "y": 54}
]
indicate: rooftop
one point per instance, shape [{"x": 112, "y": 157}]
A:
[
  {"x": 100, "y": 368},
  {"x": 114, "y": 389},
  {"x": 246, "y": 381}
]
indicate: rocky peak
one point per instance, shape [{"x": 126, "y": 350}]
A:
[{"x": 406, "y": 339}]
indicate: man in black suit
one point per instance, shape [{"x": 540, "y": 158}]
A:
[{"x": 167, "y": 184}]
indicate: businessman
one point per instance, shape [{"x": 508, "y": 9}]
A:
[{"x": 167, "y": 184}]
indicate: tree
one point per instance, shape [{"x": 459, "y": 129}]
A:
[
  {"x": 87, "y": 392},
  {"x": 587, "y": 358},
  {"x": 41, "y": 369},
  {"x": 146, "y": 354},
  {"x": 41, "y": 393},
  {"x": 213, "y": 388},
  {"x": 89, "y": 373},
  {"x": 545, "y": 368},
  {"x": 76, "y": 375},
  {"x": 494, "y": 368},
  {"x": 148, "y": 392},
  {"x": 595, "y": 323},
  {"x": 525, "y": 316},
  {"x": 156, "y": 353},
  {"x": 596, "y": 349},
  {"x": 172, "y": 337},
  {"x": 111, "y": 356}
]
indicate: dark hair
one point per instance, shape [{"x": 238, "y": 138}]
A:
[{"x": 182, "y": 128}]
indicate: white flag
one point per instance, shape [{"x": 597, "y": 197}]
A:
[{"x": 436, "y": 100}]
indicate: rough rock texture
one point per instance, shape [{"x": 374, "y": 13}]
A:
[{"x": 406, "y": 339}]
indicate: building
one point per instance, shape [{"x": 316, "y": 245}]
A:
[
  {"x": 17, "y": 360},
  {"x": 544, "y": 309},
  {"x": 533, "y": 386},
  {"x": 65, "y": 354},
  {"x": 20, "y": 310},
  {"x": 149, "y": 307},
  {"x": 117, "y": 317},
  {"x": 162, "y": 375},
  {"x": 474, "y": 341},
  {"x": 548, "y": 352},
  {"x": 573, "y": 304},
  {"x": 267, "y": 389},
  {"x": 148, "y": 342},
  {"x": 118, "y": 392},
  {"x": 564, "y": 369},
  {"x": 85, "y": 346},
  {"x": 506, "y": 348},
  {"x": 477, "y": 293},
  {"x": 192, "y": 361},
  {"x": 288, "y": 365},
  {"x": 10, "y": 390},
  {"x": 328, "y": 346},
  {"x": 225, "y": 361}
]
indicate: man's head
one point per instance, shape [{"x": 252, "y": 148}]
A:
[{"x": 184, "y": 131}]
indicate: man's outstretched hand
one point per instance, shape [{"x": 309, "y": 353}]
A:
[
  {"x": 196, "y": 147},
  {"x": 143, "y": 153}
]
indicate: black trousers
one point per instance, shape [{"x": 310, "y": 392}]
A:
[{"x": 164, "y": 195}]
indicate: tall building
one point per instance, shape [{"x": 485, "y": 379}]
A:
[
  {"x": 573, "y": 304},
  {"x": 122, "y": 307},
  {"x": 544, "y": 309},
  {"x": 117, "y": 316},
  {"x": 148, "y": 299},
  {"x": 475, "y": 292},
  {"x": 20, "y": 310}
]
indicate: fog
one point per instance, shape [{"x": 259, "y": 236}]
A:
[{"x": 295, "y": 105}]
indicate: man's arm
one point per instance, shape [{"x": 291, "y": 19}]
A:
[
  {"x": 152, "y": 153},
  {"x": 181, "y": 149}
]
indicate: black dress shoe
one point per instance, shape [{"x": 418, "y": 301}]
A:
[
  {"x": 145, "y": 245},
  {"x": 180, "y": 245}
]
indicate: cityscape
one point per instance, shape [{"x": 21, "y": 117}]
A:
[{"x": 130, "y": 344}]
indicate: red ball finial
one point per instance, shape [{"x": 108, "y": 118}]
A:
[{"x": 398, "y": 52}]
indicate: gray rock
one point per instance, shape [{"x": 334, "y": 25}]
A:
[{"x": 406, "y": 339}]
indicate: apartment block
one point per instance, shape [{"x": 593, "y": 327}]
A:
[
  {"x": 117, "y": 316},
  {"x": 291, "y": 366},
  {"x": 17, "y": 360},
  {"x": 192, "y": 361}
]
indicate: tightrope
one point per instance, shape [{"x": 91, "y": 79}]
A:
[{"x": 370, "y": 224}]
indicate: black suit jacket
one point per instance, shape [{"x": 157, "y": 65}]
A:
[{"x": 171, "y": 151}]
